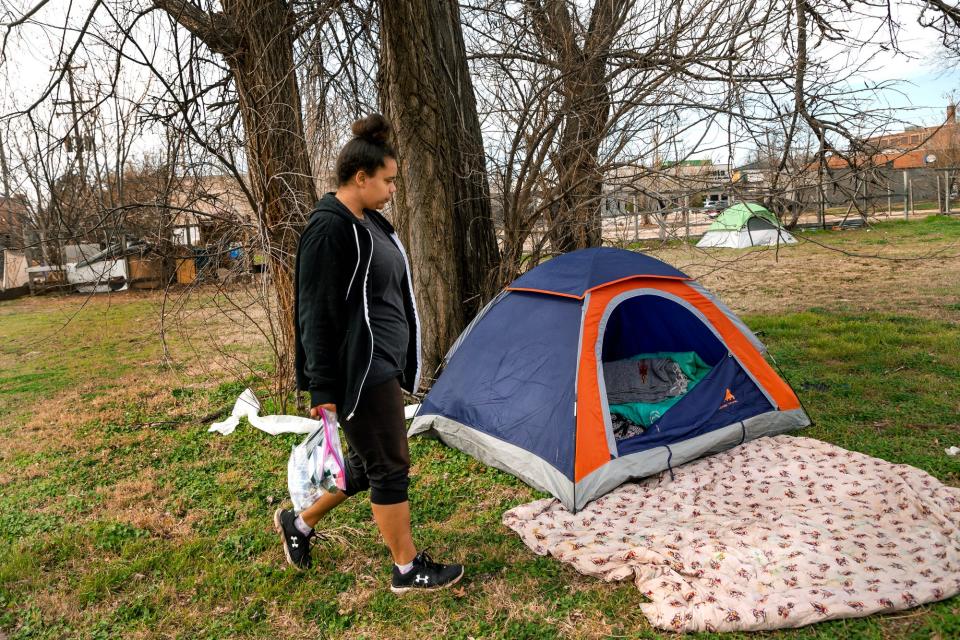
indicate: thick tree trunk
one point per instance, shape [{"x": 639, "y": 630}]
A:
[
  {"x": 277, "y": 154},
  {"x": 442, "y": 208},
  {"x": 254, "y": 38}
]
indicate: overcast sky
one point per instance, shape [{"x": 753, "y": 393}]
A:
[{"x": 921, "y": 96}]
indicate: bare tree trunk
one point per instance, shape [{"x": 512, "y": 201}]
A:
[
  {"x": 277, "y": 154},
  {"x": 255, "y": 39},
  {"x": 442, "y": 208},
  {"x": 574, "y": 220},
  {"x": 576, "y": 223}
]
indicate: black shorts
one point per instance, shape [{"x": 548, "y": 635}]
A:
[{"x": 378, "y": 457}]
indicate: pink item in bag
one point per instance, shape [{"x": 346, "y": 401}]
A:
[{"x": 316, "y": 465}]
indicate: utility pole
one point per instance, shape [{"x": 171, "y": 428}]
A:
[
  {"x": 76, "y": 138},
  {"x": 821, "y": 207},
  {"x": 866, "y": 181},
  {"x": 910, "y": 193},
  {"x": 906, "y": 192},
  {"x": 946, "y": 192}
]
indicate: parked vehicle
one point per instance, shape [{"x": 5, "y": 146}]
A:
[{"x": 716, "y": 202}]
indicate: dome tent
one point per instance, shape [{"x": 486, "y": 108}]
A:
[
  {"x": 523, "y": 389},
  {"x": 745, "y": 224}
]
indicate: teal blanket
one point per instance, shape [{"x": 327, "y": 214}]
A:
[{"x": 646, "y": 413}]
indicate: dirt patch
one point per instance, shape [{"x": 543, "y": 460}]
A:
[
  {"x": 54, "y": 424},
  {"x": 797, "y": 278},
  {"x": 356, "y": 598},
  {"x": 500, "y": 597},
  {"x": 61, "y": 604},
  {"x": 141, "y": 502}
]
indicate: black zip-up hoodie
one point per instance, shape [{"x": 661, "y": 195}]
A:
[{"x": 334, "y": 340}]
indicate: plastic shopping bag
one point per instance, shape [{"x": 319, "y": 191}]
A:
[{"x": 316, "y": 464}]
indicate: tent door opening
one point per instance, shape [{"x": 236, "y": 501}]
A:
[{"x": 664, "y": 374}]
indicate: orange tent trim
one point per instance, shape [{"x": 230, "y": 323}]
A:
[{"x": 592, "y": 450}]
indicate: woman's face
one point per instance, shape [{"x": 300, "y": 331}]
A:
[{"x": 376, "y": 190}]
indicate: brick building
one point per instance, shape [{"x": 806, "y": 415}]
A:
[{"x": 915, "y": 147}]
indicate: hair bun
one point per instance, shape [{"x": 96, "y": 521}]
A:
[{"x": 374, "y": 128}]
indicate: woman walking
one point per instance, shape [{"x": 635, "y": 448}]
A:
[{"x": 358, "y": 343}]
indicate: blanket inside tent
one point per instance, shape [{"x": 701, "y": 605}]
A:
[
  {"x": 778, "y": 532},
  {"x": 640, "y": 389}
]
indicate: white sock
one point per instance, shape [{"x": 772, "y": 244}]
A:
[
  {"x": 405, "y": 568},
  {"x": 302, "y": 526}
]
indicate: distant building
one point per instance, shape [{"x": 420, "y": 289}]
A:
[
  {"x": 913, "y": 148},
  {"x": 13, "y": 262},
  {"x": 207, "y": 207},
  {"x": 669, "y": 184},
  {"x": 213, "y": 206},
  {"x": 753, "y": 174}
]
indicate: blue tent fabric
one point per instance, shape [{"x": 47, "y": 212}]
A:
[
  {"x": 573, "y": 274},
  {"x": 508, "y": 392},
  {"x": 524, "y": 394}
]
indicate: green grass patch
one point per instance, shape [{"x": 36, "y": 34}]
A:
[
  {"x": 934, "y": 227},
  {"x": 195, "y": 556},
  {"x": 882, "y": 384},
  {"x": 885, "y": 385}
]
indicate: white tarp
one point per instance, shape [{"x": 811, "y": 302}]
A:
[
  {"x": 248, "y": 405},
  {"x": 95, "y": 277}
]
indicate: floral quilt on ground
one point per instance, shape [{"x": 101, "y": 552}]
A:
[{"x": 778, "y": 532}]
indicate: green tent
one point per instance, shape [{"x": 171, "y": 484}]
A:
[
  {"x": 746, "y": 224},
  {"x": 737, "y": 216}
]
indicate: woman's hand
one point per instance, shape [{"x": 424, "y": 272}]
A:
[{"x": 315, "y": 411}]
